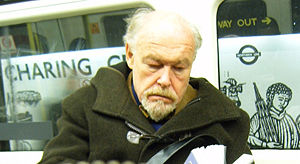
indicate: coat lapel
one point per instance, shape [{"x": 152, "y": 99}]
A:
[{"x": 116, "y": 90}]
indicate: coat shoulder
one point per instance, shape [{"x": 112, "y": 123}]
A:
[{"x": 84, "y": 95}]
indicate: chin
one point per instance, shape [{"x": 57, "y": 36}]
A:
[{"x": 158, "y": 110}]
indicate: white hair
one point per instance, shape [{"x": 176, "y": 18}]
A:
[{"x": 137, "y": 20}]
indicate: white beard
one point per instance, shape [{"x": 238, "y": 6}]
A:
[{"x": 158, "y": 110}]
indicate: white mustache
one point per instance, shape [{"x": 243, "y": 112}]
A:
[{"x": 161, "y": 92}]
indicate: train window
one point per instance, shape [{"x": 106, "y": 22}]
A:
[
  {"x": 65, "y": 34},
  {"x": 42, "y": 62},
  {"x": 112, "y": 25},
  {"x": 258, "y": 48}
]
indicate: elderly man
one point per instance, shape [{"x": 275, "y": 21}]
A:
[{"x": 133, "y": 110}]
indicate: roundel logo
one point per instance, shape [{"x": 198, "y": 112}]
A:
[{"x": 248, "y": 54}]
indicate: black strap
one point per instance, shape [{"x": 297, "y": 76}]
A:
[{"x": 163, "y": 155}]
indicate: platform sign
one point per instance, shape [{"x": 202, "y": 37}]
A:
[
  {"x": 261, "y": 75},
  {"x": 35, "y": 85},
  {"x": 7, "y": 45}
]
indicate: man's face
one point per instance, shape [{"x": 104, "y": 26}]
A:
[
  {"x": 161, "y": 69},
  {"x": 280, "y": 101}
]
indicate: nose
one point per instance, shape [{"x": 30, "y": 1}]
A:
[
  {"x": 164, "y": 79},
  {"x": 284, "y": 103}
]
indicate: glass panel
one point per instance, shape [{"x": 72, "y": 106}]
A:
[
  {"x": 43, "y": 62},
  {"x": 258, "y": 67},
  {"x": 112, "y": 26}
]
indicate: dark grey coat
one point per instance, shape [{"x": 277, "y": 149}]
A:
[{"x": 92, "y": 126}]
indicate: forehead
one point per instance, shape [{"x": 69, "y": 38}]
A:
[
  {"x": 166, "y": 42},
  {"x": 175, "y": 54},
  {"x": 284, "y": 95}
]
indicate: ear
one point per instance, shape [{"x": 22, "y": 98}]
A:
[{"x": 129, "y": 56}]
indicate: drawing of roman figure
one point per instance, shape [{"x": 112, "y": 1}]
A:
[
  {"x": 232, "y": 89},
  {"x": 271, "y": 126}
]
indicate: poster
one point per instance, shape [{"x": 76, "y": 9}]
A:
[
  {"x": 261, "y": 75},
  {"x": 35, "y": 85}
]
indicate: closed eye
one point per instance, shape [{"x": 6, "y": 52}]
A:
[
  {"x": 154, "y": 67},
  {"x": 179, "y": 68}
]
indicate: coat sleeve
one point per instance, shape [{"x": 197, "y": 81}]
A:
[{"x": 71, "y": 144}]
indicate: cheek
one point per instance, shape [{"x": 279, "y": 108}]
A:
[
  {"x": 180, "y": 86},
  {"x": 277, "y": 104},
  {"x": 142, "y": 81}
]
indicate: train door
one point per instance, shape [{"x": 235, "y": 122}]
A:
[{"x": 258, "y": 42}]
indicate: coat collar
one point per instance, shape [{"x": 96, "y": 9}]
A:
[
  {"x": 111, "y": 87},
  {"x": 210, "y": 106}
]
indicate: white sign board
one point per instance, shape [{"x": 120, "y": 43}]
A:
[
  {"x": 260, "y": 74},
  {"x": 35, "y": 85}
]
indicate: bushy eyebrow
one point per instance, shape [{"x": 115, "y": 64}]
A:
[{"x": 158, "y": 60}]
